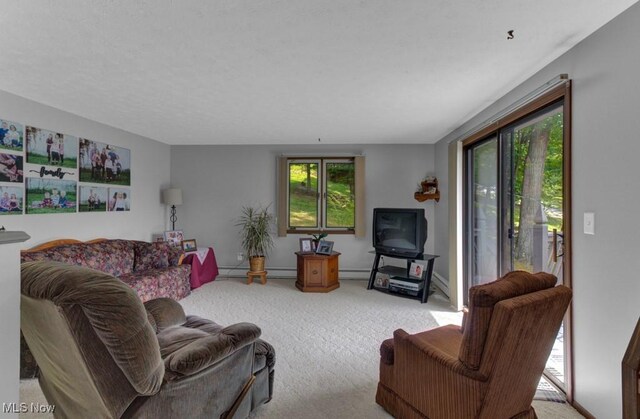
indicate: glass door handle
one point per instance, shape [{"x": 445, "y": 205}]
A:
[{"x": 554, "y": 251}]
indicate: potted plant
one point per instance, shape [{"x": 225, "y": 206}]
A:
[
  {"x": 256, "y": 229},
  {"x": 317, "y": 238}
]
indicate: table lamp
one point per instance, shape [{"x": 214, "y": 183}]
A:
[{"x": 173, "y": 197}]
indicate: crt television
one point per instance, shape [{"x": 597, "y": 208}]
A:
[{"x": 399, "y": 231}]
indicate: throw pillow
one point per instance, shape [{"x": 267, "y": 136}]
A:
[
  {"x": 174, "y": 254},
  {"x": 151, "y": 256}
]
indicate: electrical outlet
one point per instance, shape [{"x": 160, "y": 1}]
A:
[{"x": 240, "y": 257}]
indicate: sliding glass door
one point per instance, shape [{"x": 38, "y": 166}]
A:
[
  {"x": 535, "y": 193},
  {"x": 482, "y": 214},
  {"x": 516, "y": 201}
]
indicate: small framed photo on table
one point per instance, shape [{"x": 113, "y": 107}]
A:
[
  {"x": 306, "y": 245},
  {"x": 174, "y": 237},
  {"x": 324, "y": 247},
  {"x": 189, "y": 245}
]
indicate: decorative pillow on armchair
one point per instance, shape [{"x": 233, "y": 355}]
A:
[{"x": 151, "y": 256}]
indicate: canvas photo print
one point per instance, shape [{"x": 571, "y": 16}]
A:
[
  {"x": 11, "y": 168},
  {"x": 50, "y": 148},
  {"x": 119, "y": 199},
  {"x": 174, "y": 237},
  {"x": 11, "y": 135},
  {"x": 50, "y": 196},
  {"x": 104, "y": 163},
  {"x": 10, "y": 200},
  {"x": 93, "y": 199}
]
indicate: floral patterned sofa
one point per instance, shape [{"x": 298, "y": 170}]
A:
[{"x": 153, "y": 270}]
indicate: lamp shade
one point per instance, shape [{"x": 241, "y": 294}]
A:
[{"x": 172, "y": 196}]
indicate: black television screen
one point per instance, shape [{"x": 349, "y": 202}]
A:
[{"x": 399, "y": 231}]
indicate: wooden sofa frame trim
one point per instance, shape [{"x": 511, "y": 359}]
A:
[{"x": 60, "y": 242}]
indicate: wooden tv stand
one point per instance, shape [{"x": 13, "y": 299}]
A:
[{"x": 403, "y": 273}]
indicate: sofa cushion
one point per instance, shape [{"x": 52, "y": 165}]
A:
[
  {"x": 174, "y": 254},
  {"x": 165, "y": 312},
  {"x": 171, "y": 282},
  {"x": 151, "y": 256},
  {"x": 114, "y": 257},
  {"x": 199, "y": 343},
  {"x": 69, "y": 254},
  {"x": 483, "y": 298},
  {"x": 446, "y": 338},
  {"x": 196, "y": 322},
  {"x": 143, "y": 283}
]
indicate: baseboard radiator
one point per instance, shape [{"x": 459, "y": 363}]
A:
[
  {"x": 287, "y": 272},
  {"x": 441, "y": 282}
]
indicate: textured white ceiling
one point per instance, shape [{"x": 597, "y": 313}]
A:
[{"x": 284, "y": 71}]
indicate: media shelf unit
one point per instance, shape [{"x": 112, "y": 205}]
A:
[{"x": 397, "y": 271}]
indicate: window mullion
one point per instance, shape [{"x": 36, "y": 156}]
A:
[{"x": 322, "y": 206}]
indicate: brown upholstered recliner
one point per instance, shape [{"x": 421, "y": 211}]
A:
[
  {"x": 489, "y": 367},
  {"x": 102, "y": 355}
]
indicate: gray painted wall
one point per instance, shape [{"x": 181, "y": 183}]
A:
[
  {"x": 10, "y": 324},
  {"x": 218, "y": 180},
  {"x": 605, "y": 70},
  {"x": 150, "y": 173}
]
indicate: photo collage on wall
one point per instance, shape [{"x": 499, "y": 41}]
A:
[
  {"x": 47, "y": 172},
  {"x": 11, "y": 167}
]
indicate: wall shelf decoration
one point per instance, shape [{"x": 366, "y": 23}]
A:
[{"x": 428, "y": 190}]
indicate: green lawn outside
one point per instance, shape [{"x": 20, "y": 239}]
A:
[
  {"x": 302, "y": 205},
  {"x": 8, "y": 147},
  {"x": 35, "y": 196},
  {"x": 69, "y": 162},
  {"x": 303, "y": 211},
  {"x": 340, "y": 205},
  {"x": 99, "y": 208},
  {"x": 10, "y": 213},
  {"x": 123, "y": 179}
]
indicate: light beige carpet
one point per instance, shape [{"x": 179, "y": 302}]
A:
[{"x": 326, "y": 344}]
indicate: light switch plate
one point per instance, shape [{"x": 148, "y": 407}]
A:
[{"x": 589, "y": 223}]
